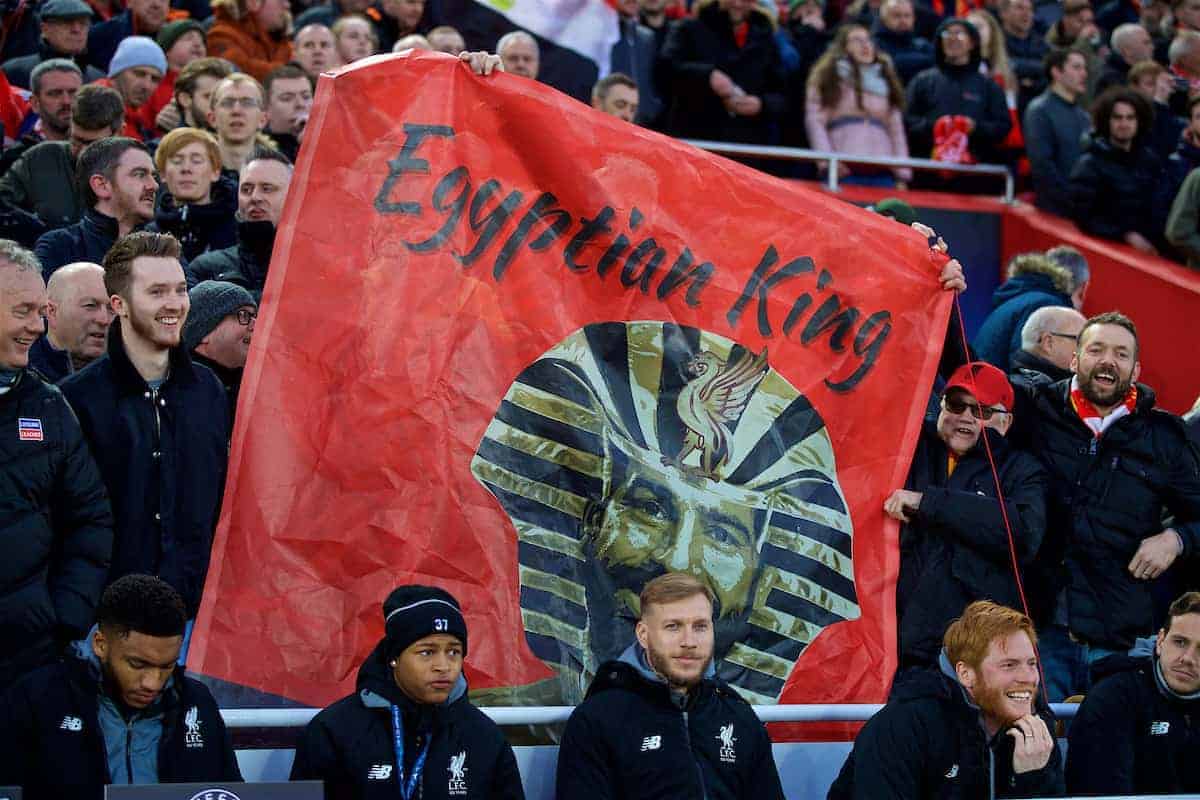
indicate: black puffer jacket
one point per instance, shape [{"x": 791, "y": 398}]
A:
[
  {"x": 162, "y": 458},
  {"x": 697, "y": 46},
  {"x": 1106, "y": 495},
  {"x": 956, "y": 90},
  {"x": 1112, "y": 192},
  {"x": 956, "y": 550},
  {"x": 632, "y": 738},
  {"x": 199, "y": 228},
  {"x": 86, "y": 240},
  {"x": 928, "y": 742},
  {"x": 1134, "y": 736},
  {"x": 350, "y": 746},
  {"x": 52, "y": 744},
  {"x": 55, "y": 526},
  {"x": 244, "y": 264}
]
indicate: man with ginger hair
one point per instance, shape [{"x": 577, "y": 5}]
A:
[{"x": 974, "y": 726}]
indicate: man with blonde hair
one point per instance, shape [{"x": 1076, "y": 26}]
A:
[
  {"x": 658, "y": 722},
  {"x": 974, "y": 726},
  {"x": 237, "y": 114}
]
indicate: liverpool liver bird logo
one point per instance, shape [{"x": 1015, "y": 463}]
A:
[{"x": 715, "y": 396}]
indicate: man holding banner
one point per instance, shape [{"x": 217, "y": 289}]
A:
[{"x": 543, "y": 381}]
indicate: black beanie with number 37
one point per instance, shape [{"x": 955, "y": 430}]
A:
[{"x": 412, "y": 612}]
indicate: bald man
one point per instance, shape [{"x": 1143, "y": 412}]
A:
[
  {"x": 1047, "y": 343},
  {"x": 77, "y": 320},
  {"x": 519, "y": 52}
]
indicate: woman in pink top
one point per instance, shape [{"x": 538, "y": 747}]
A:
[{"x": 855, "y": 104}]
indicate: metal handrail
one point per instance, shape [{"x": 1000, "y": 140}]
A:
[
  {"x": 834, "y": 159},
  {"x": 546, "y": 715}
]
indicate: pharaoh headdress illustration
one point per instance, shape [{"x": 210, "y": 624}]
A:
[{"x": 715, "y": 424}]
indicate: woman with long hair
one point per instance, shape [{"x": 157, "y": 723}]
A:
[{"x": 855, "y": 104}]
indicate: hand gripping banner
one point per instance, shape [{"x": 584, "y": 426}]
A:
[{"x": 537, "y": 356}]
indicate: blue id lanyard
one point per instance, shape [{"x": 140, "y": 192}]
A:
[{"x": 407, "y": 789}]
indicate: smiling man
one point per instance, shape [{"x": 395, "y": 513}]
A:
[
  {"x": 157, "y": 423},
  {"x": 77, "y": 320},
  {"x": 953, "y": 541},
  {"x": 1134, "y": 733},
  {"x": 658, "y": 722},
  {"x": 116, "y": 709},
  {"x": 973, "y": 726},
  {"x": 1114, "y": 463}
]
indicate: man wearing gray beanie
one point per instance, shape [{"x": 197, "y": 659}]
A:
[
  {"x": 218, "y": 330},
  {"x": 409, "y": 729},
  {"x": 135, "y": 70}
]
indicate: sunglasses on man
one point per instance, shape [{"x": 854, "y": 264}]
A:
[{"x": 956, "y": 405}]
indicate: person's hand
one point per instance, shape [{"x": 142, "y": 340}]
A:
[
  {"x": 902, "y": 505},
  {"x": 721, "y": 84},
  {"x": 1089, "y": 33},
  {"x": 1033, "y": 743},
  {"x": 952, "y": 277},
  {"x": 169, "y": 118},
  {"x": 481, "y": 63},
  {"x": 746, "y": 105},
  {"x": 939, "y": 243},
  {"x": 812, "y": 16},
  {"x": 1139, "y": 242},
  {"x": 1155, "y": 554}
]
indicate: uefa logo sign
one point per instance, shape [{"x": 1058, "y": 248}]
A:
[{"x": 215, "y": 794}]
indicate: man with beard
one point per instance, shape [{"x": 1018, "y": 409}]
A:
[
  {"x": 1134, "y": 733},
  {"x": 193, "y": 95},
  {"x": 117, "y": 708},
  {"x": 658, "y": 723},
  {"x": 42, "y": 180},
  {"x": 954, "y": 539},
  {"x": 1115, "y": 461},
  {"x": 157, "y": 423},
  {"x": 55, "y": 83},
  {"x": 262, "y": 191},
  {"x": 116, "y": 176},
  {"x": 973, "y": 726},
  {"x": 218, "y": 330},
  {"x": 77, "y": 320},
  {"x": 135, "y": 72},
  {"x": 1048, "y": 343}
]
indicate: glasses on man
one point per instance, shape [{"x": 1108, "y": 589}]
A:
[
  {"x": 245, "y": 317},
  {"x": 956, "y": 405},
  {"x": 228, "y": 103}
]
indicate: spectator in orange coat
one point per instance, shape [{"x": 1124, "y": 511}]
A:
[{"x": 252, "y": 34}]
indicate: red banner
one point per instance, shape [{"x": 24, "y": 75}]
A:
[{"x": 536, "y": 356}]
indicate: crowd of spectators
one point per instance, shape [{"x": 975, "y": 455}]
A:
[{"x": 148, "y": 159}]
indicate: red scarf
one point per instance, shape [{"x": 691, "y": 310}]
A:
[
  {"x": 1091, "y": 417},
  {"x": 740, "y": 33}
]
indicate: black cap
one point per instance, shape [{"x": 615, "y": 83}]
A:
[{"x": 412, "y": 612}]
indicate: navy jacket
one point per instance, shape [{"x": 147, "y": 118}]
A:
[
  {"x": 55, "y": 527},
  {"x": 910, "y": 53},
  {"x": 632, "y": 738},
  {"x": 86, "y": 240},
  {"x": 199, "y": 228},
  {"x": 636, "y": 53},
  {"x": 51, "y": 364},
  {"x": 18, "y": 70},
  {"x": 1013, "y": 302},
  {"x": 163, "y": 459},
  {"x": 51, "y": 741},
  {"x": 928, "y": 742},
  {"x": 1112, "y": 192},
  {"x": 350, "y": 746},
  {"x": 955, "y": 550},
  {"x": 1134, "y": 736},
  {"x": 1105, "y": 496},
  {"x": 244, "y": 264}
]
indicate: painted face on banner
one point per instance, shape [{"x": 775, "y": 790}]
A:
[{"x": 635, "y": 449}]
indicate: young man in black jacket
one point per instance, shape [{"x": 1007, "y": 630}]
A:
[
  {"x": 973, "y": 727},
  {"x": 118, "y": 709},
  {"x": 1136, "y": 733},
  {"x": 658, "y": 723},
  {"x": 157, "y": 423},
  {"x": 954, "y": 547},
  {"x": 410, "y": 729}
]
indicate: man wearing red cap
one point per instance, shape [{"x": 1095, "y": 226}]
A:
[{"x": 954, "y": 545}]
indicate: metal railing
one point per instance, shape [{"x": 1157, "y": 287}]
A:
[
  {"x": 546, "y": 715},
  {"x": 834, "y": 159}
]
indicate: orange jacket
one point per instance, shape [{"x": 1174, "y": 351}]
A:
[{"x": 255, "y": 51}]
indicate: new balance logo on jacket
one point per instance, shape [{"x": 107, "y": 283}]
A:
[
  {"x": 379, "y": 772},
  {"x": 71, "y": 724}
]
